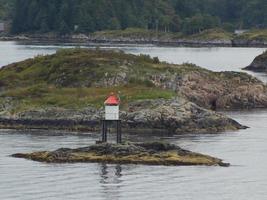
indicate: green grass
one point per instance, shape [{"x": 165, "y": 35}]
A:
[
  {"x": 84, "y": 68},
  {"x": 66, "y": 68},
  {"x": 137, "y": 33},
  {"x": 256, "y": 34},
  {"x": 212, "y": 34},
  {"x": 42, "y": 96}
]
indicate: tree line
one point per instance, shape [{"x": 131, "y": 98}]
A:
[{"x": 85, "y": 16}]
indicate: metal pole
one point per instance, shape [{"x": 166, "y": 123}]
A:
[
  {"x": 117, "y": 129},
  {"x": 118, "y": 126},
  {"x": 120, "y": 131},
  {"x": 103, "y": 130}
]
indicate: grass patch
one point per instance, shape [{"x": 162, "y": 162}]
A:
[
  {"x": 84, "y": 68},
  {"x": 75, "y": 98},
  {"x": 137, "y": 33},
  {"x": 256, "y": 34},
  {"x": 212, "y": 34}
]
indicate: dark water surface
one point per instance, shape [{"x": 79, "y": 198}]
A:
[{"x": 246, "y": 150}]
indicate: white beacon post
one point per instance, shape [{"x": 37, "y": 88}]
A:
[
  {"x": 112, "y": 110},
  {"x": 112, "y": 114}
]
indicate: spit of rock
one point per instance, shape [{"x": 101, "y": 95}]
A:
[{"x": 154, "y": 153}]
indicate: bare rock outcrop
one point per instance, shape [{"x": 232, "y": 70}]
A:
[
  {"x": 216, "y": 90},
  {"x": 175, "y": 116}
]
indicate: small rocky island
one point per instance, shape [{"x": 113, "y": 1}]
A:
[
  {"x": 259, "y": 64},
  {"x": 154, "y": 153},
  {"x": 66, "y": 90}
]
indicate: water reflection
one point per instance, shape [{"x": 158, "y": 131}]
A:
[
  {"x": 244, "y": 150},
  {"x": 110, "y": 179}
]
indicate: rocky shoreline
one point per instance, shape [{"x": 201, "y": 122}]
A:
[
  {"x": 142, "y": 41},
  {"x": 48, "y": 92},
  {"x": 172, "y": 116},
  {"x": 154, "y": 153}
]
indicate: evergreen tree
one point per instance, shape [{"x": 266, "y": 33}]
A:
[{"x": 191, "y": 16}]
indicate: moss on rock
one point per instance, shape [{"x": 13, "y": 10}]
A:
[{"x": 155, "y": 153}]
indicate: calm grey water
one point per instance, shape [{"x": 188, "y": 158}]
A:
[{"x": 246, "y": 150}]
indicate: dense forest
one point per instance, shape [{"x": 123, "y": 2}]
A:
[
  {"x": 6, "y": 9},
  {"x": 83, "y": 16}
]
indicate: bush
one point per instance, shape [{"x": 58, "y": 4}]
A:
[
  {"x": 156, "y": 60},
  {"x": 145, "y": 58}
]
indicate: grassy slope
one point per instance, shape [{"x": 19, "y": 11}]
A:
[
  {"x": 137, "y": 33},
  {"x": 67, "y": 79},
  {"x": 212, "y": 34},
  {"x": 256, "y": 34},
  {"x": 75, "y": 98},
  {"x": 76, "y": 78}
]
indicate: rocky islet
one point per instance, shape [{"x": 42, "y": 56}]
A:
[
  {"x": 155, "y": 95},
  {"x": 154, "y": 153},
  {"x": 259, "y": 64}
]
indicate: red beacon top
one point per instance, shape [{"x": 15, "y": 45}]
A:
[{"x": 112, "y": 100}]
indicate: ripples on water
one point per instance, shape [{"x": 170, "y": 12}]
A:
[
  {"x": 245, "y": 150},
  {"x": 23, "y": 179}
]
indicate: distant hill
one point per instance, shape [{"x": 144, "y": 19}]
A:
[{"x": 84, "y": 16}]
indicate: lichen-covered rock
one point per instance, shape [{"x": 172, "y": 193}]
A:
[
  {"x": 155, "y": 153},
  {"x": 216, "y": 90},
  {"x": 177, "y": 115},
  {"x": 259, "y": 64}
]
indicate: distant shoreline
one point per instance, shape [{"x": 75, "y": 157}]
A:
[{"x": 144, "y": 41}]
